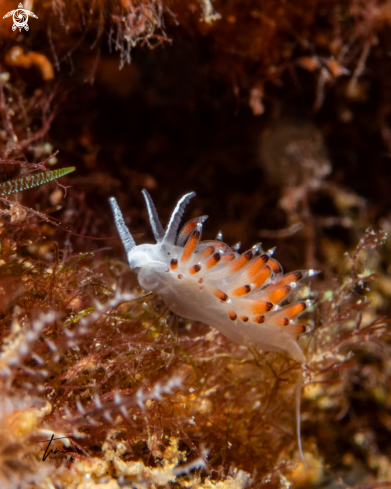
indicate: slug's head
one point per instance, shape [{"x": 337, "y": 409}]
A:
[{"x": 150, "y": 260}]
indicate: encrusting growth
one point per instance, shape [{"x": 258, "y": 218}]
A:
[{"x": 246, "y": 297}]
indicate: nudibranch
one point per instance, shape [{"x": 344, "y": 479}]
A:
[{"x": 245, "y": 296}]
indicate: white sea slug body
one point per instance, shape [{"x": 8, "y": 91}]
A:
[{"x": 244, "y": 296}]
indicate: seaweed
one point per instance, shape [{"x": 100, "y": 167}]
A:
[{"x": 120, "y": 390}]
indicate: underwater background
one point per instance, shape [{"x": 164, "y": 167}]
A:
[{"x": 278, "y": 115}]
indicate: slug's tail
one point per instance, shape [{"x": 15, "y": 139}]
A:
[{"x": 298, "y": 389}]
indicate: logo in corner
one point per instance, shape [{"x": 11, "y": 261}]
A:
[{"x": 20, "y": 17}]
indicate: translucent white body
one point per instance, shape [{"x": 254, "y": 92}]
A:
[{"x": 192, "y": 294}]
